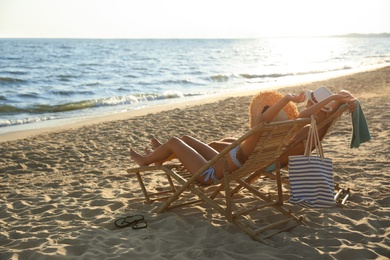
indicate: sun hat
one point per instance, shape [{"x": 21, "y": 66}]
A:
[
  {"x": 318, "y": 95},
  {"x": 266, "y": 99}
]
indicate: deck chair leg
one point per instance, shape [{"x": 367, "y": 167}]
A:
[
  {"x": 171, "y": 182},
  {"x": 144, "y": 191},
  {"x": 228, "y": 197},
  {"x": 150, "y": 196},
  {"x": 279, "y": 183}
]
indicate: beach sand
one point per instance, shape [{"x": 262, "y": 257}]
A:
[{"x": 62, "y": 190}]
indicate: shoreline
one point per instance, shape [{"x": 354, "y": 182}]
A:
[{"x": 33, "y": 129}]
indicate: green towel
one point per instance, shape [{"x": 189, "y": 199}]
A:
[
  {"x": 360, "y": 132},
  {"x": 270, "y": 168}
]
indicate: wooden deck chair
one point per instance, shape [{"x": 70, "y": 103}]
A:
[
  {"x": 274, "y": 138},
  {"x": 328, "y": 123}
]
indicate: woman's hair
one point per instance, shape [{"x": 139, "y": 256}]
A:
[{"x": 262, "y": 101}]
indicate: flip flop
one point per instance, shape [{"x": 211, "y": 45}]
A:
[
  {"x": 140, "y": 224},
  {"x": 129, "y": 220}
]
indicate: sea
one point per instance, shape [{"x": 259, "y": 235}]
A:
[{"x": 47, "y": 82}]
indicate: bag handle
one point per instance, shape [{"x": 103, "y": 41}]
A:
[{"x": 313, "y": 138}]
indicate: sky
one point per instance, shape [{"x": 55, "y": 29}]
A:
[{"x": 191, "y": 18}]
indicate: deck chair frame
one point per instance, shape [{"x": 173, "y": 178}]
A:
[{"x": 274, "y": 138}]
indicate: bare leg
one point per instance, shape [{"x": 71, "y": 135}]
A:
[
  {"x": 156, "y": 143},
  {"x": 202, "y": 148},
  {"x": 191, "y": 159},
  {"x": 228, "y": 140},
  {"x": 206, "y": 150},
  {"x": 148, "y": 151},
  {"x": 219, "y": 145}
]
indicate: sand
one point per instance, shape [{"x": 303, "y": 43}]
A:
[{"x": 61, "y": 190}]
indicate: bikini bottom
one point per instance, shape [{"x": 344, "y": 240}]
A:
[{"x": 210, "y": 174}]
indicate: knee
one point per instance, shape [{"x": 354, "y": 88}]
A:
[
  {"x": 186, "y": 138},
  {"x": 175, "y": 140},
  {"x": 213, "y": 144}
]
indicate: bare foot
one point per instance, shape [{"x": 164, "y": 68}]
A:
[
  {"x": 147, "y": 151},
  {"x": 155, "y": 143},
  {"x": 139, "y": 159}
]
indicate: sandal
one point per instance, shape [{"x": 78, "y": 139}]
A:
[
  {"x": 129, "y": 220},
  {"x": 140, "y": 224}
]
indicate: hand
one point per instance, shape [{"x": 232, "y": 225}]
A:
[
  {"x": 346, "y": 92},
  {"x": 346, "y": 97},
  {"x": 352, "y": 104},
  {"x": 297, "y": 98}
]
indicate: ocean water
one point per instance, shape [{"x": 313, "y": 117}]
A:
[{"x": 44, "y": 80}]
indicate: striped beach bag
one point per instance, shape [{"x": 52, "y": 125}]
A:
[{"x": 311, "y": 176}]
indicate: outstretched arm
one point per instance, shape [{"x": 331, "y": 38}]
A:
[{"x": 339, "y": 98}]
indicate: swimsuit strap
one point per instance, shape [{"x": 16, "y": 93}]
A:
[{"x": 210, "y": 174}]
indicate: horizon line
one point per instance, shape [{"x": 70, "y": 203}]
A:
[{"x": 352, "y": 35}]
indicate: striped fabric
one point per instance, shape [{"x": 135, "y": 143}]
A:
[{"x": 311, "y": 181}]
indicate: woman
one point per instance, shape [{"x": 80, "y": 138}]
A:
[
  {"x": 193, "y": 154},
  {"x": 321, "y": 103}
]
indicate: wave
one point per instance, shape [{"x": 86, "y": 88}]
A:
[
  {"x": 301, "y": 73},
  {"x": 34, "y": 119},
  {"x": 226, "y": 78},
  {"x": 71, "y": 92},
  {"x": 29, "y": 95},
  {"x": 10, "y": 80},
  {"x": 220, "y": 78},
  {"x": 85, "y": 104},
  {"x": 7, "y": 109},
  {"x": 16, "y": 72},
  {"x": 66, "y": 77},
  {"x": 179, "y": 82},
  {"x": 13, "y": 115},
  {"x": 273, "y": 75},
  {"x": 346, "y": 67},
  {"x": 93, "y": 84}
]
